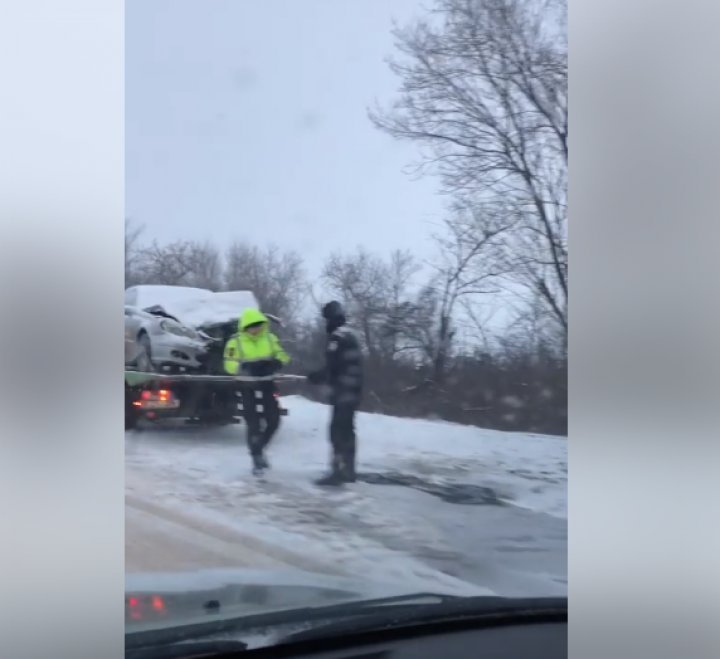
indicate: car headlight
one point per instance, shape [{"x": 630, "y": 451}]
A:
[{"x": 178, "y": 330}]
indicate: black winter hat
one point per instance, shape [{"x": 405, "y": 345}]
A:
[{"x": 333, "y": 310}]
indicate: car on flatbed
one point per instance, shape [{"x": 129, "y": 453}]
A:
[
  {"x": 177, "y": 341},
  {"x": 160, "y": 342}
]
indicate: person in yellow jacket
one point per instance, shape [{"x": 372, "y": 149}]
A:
[{"x": 256, "y": 351}]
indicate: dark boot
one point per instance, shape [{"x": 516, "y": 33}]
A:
[
  {"x": 347, "y": 467},
  {"x": 333, "y": 479},
  {"x": 342, "y": 471},
  {"x": 260, "y": 463}
]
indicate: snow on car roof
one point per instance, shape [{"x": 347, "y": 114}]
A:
[{"x": 192, "y": 306}]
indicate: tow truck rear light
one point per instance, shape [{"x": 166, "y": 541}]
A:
[
  {"x": 134, "y": 606},
  {"x": 140, "y": 607},
  {"x": 157, "y": 399}
]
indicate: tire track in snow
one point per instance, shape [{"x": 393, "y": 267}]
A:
[
  {"x": 157, "y": 544},
  {"x": 171, "y": 537}
]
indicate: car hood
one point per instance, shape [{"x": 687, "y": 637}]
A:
[
  {"x": 160, "y": 599},
  {"x": 194, "y": 307}
]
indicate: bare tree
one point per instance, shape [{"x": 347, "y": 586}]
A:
[
  {"x": 477, "y": 320},
  {"x": 181, "y": 263},
  {"x": 206, "y": 268},
  {"x": 133, "y": 232},
  {"x": 465, "y": 269},
  {"x": 276, "y": 278},
  {"x": 400, "y": 272},
  {"x": 486, "y": 91}
]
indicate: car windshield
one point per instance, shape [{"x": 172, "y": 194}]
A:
[{"x": 356, "y": 213}]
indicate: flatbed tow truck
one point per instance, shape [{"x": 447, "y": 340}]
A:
[{"x": 193, "y": 398}]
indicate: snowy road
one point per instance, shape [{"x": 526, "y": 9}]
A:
[{"x": 441, "y": 505}]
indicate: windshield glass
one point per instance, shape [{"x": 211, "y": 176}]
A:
[{"x": 356, "y": 213}]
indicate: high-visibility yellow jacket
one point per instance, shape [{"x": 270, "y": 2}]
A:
[{"x": 244, "y": 348}]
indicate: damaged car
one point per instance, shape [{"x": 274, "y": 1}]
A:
[{"x": 161, "y": 342}]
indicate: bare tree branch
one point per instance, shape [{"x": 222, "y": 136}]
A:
[
  {"x": 277, "y": 278},
  {"x": 486, "y": 91}
]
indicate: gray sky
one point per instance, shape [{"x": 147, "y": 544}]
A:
[{"x": 247, "y": 119}]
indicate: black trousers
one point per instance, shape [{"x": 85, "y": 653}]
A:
[
  {"x": 261, "y": 426},
  {"x": 342, "y": 437}
]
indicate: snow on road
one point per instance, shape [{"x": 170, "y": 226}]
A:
[{"x": 192, "y": 504}]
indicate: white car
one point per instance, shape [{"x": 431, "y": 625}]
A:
[
  {"x": 135, "y": 356},
  {"x": 182, "y": 326},
  {"x": 163, "y": 343}
]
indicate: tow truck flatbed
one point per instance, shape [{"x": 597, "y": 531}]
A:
[
  {"x": 197, "y": 398},
  {"x": 136, "y": 378}
]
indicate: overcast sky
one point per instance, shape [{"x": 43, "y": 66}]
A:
[{"x": 248, "y": 119}]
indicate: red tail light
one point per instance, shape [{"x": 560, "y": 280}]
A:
[
  {"x": 160, "y": 399},
  {"x": 134, "y": 606},
  {"x": 138, "y": 608}
]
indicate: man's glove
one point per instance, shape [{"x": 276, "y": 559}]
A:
[
  {"x": 316, "y": 377},
  {"x": 262, "y": 368}
]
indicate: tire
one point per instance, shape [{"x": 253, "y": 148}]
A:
[{"x": 143, "y": 362}]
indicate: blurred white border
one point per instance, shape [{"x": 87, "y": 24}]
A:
[
  {"x": 644, "y": 238},
  {"x": 61, "y": 236}
]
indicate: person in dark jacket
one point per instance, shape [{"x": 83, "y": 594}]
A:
[{"x": 343, "y": 374}]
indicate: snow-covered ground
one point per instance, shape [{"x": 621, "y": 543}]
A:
[{"x": 439, "y": 505}]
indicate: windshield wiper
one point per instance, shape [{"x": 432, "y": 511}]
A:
[
  {"x": 187, "y": 650},
  {"x": 403, "y": 614},
  {"x": 175, "y": 634},
  {"x": 478, "y": 611}
]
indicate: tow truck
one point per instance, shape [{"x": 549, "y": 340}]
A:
[{"x": 193, "y": 398}]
